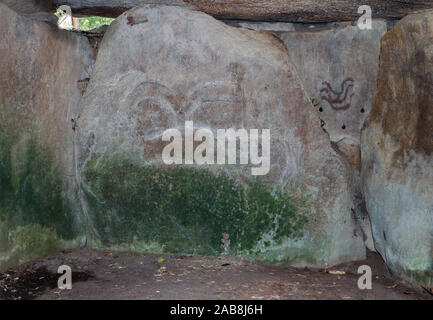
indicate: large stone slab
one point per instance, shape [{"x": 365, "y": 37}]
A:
[
  {"x": 29, "y": 6},
  {"x": 39, "y": 69},
  {"x": 42, "y": 10},
  {"x": 161, "y": 66},
  {"x": 397, "y": 151},
  {"x": 262, "y": 10},
  {"x": 338, "y": 64}
]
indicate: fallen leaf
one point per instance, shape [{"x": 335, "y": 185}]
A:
[{"x": 336, "y": 272}]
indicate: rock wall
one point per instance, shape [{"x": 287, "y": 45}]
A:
[
  {"x": 161, "y": 66},
  {"x": 262, "y": 10},
  {"x": 76, "y": 169},
  {"x": 338, "y": 64},
  {"x": 29, "y": 6},
  {"x": 39, "y": 97},
  {"x": 397, "y": 151},
  {"x": 41, "y": 10}
]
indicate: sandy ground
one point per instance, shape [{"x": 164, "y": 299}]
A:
[{"x": 105, "y": 275}]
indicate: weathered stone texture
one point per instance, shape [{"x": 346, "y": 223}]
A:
[
  {"x": 397, "y": 146},
  {"x": 39, "y": 69},
  {"x": 263, "y": 10},
  {"x": 160, "y": 66},
  {"x": 338, "y": 65},
  {"x": 29, "y": 6}
]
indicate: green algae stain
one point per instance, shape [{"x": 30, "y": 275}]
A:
[
  {"x": 183, "y": 209},
  {"x": 33, "y": 241},
  {"x": 422, "y": 277},
  {"x": 31, "y": 188},
  {"x": 35, "y": 213},
  {"x": 19, "y": 244}
]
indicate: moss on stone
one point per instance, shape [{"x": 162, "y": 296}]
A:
[
  {"x": 33, "y": 241},
  {"x": 23, "y": 243},
  {"x": 31, "y": 187},
  {"x": 4, "y": 239},
  {"x": 183, "y": 209},
  {"x": 421, "y": 277},
  {"x": 34, "y": 209},
  {"x": 299, "y": 252}
]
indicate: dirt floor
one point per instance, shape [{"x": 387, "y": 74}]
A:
[{"x": 105, "y": 275}]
